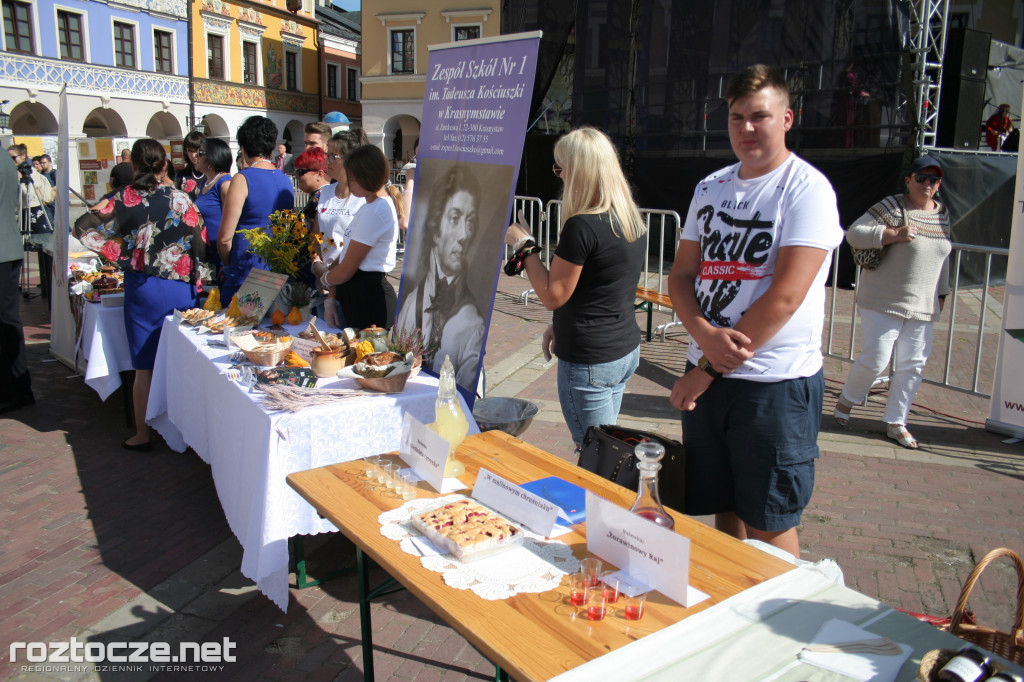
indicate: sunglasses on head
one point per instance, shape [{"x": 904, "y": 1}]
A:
[
  {"x": 925, "y": 177},
  {"x": 299, "y": 172}
]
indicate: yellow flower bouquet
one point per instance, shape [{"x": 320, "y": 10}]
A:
[{"x": 285, "y": 244}]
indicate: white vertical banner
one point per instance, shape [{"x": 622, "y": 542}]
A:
[
  {"x": 1006, "y": 414},
  {"x": 62, "y": 324}
]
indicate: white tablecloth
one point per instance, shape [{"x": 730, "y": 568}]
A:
[
  {"x": 251, "y": 451},
  {"x": 757, "y": 634},
  {"x": 104, "y": 345}
]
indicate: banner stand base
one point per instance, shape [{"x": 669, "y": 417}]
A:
[{"x": 1004, "y": 428}]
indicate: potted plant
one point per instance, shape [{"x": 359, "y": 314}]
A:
[{"x": 404, "y": 341}]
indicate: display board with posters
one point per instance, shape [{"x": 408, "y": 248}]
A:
[
  {"x": 475, "y": 112},
  {"x": 96, "y": 157}
]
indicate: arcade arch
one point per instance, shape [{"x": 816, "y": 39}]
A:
[
  {"x": 163, "y": 126},
  {"x": 400, "y": 133},
  {"x": 104, "y": 123},
  {"x": 214, "y": 125},
  {"x": 32, "y": 118}
]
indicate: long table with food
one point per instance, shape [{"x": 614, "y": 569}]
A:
[
  {"x": 763, "y": 617},
  {"x": 200, "y": 399}
]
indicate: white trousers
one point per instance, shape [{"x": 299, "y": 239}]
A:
[{"x": 883, "y": 334}]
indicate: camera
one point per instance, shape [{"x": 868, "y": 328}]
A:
[{"x": 25, "y": 168}]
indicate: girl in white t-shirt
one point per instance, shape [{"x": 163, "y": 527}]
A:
[
  {"x": 370, "y": 240},
  {"x": 334, "y": 212}
]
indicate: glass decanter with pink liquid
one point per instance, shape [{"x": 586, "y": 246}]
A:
[{"x": 648, "y": 503}]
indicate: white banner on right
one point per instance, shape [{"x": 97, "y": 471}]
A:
[{"x": 1007, "y": 412}]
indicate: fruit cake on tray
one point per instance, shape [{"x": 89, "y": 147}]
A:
[{"x": 467, "y": 530}]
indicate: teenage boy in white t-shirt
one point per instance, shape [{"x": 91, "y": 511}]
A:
[{"x": 748, "y": 284}]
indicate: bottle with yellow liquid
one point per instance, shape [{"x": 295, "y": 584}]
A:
[{"x": 449, "y": 420}]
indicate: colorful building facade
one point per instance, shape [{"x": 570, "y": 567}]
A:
[
  {"x": 395, "y": 35},
  {"x": 255, "y": 57},
  {"x": 125, "y": 63},
  {"x": 341, "y": 65}
]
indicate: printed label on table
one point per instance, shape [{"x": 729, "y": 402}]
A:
[
  {"x": 515, "y": 502},
  {"x": 657, "y": 556},
  {"x": 424, "y": 450}
]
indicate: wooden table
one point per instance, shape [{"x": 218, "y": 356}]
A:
[{"x": 530, "y": 636}]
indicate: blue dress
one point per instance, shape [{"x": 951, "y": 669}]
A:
[
  {"x": 210, "y": 206},
  {"x": 269, "y": 190}
]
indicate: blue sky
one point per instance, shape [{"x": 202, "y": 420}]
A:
[{"x": 349, "y": 5}]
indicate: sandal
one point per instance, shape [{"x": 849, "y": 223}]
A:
[
  {"x": 842, "y": 418},
  {"x": 899, "y": 433}
]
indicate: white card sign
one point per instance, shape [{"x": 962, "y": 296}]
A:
[
  {"x": 641, "y": 548},
  {"x": 522, "y": 506},
  {"x": 425, "y": 451}
]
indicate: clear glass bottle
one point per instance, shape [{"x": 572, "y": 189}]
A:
[
  {"x": 648, "y": 502},
  {"x": 449, "y": 420}
]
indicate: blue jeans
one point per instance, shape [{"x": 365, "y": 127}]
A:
[{"x": 591, "y": 395}]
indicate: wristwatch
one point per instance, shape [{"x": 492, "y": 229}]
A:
[{"x": 706, "y": 367}]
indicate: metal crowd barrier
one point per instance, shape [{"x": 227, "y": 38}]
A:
[
  {"x": 545, "y": 223},
  {"x": 538, "y": 220},
  {"x": 963, "y": 322},
  {"x": 663, "y": 221}
]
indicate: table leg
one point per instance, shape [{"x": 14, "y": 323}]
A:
[
  {"x": 648, "y": 307},
  {"x": 302, "y": 580},
  {"x": 365, "y": 596},
  {"x": 365, "y": 628}
]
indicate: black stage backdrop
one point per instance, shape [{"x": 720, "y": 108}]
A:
[{"x": 651, "y": 73}]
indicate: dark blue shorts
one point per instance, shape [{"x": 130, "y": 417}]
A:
[{"x": 750, "y": 449}]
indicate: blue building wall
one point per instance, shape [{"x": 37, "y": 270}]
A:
[{"x": 98, "y": 28}]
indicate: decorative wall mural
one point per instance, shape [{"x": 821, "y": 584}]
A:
[
  {"x": 217, "y": 7},
  {"x": 272, "y": 66},
  {"x": 250, "y": 15},
  {"x": 292, "y": 27}
]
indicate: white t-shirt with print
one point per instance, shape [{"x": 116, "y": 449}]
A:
[
  {"x": 741, "y": 225},
  {"x": 333, "y": 216},
  {"x": 376, "y": 225}
]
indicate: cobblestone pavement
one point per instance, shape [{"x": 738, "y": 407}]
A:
[{"x": 105, "y": 545}]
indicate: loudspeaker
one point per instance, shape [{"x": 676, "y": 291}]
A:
[
  {"x": 961, "y": 113},
  {"x": 966, "y": 54}
]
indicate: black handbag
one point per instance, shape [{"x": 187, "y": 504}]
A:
[{"x": 608, "y": 452}]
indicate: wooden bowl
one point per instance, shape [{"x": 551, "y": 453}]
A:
[
  {"x": 390, "y": 384},
  {"x": 268, "y": 354}
]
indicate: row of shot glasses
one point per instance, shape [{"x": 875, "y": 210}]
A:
[
  {"x": 595, "y": 590},
  {"x": 389, "y": 473}
]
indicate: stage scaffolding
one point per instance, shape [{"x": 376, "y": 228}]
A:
[{"x": 925, "y": 45}]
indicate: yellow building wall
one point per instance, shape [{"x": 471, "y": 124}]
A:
[
  {"x": 274, "y": 23},
  {"x": 431, "y": 29}
]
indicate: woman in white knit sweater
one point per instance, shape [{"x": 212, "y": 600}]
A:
[{"x": 902, "y": 298}]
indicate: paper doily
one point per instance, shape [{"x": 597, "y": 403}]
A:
[{"x": 537, "y": 566}]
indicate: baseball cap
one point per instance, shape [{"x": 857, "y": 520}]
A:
[{"x": 923, "y": 162}]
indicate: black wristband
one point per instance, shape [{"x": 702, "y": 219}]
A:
[
  {"x": 705, "y": 366},
  {"x": 517, "y": 262}
]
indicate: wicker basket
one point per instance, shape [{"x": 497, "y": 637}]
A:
[
  {"x": 268, "y": 354},
  {"x": 1008, "y": 645}
]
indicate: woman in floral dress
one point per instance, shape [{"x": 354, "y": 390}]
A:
[
  {"x": 156, "y": 235},
  {"x": 190, "y": 178}
]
